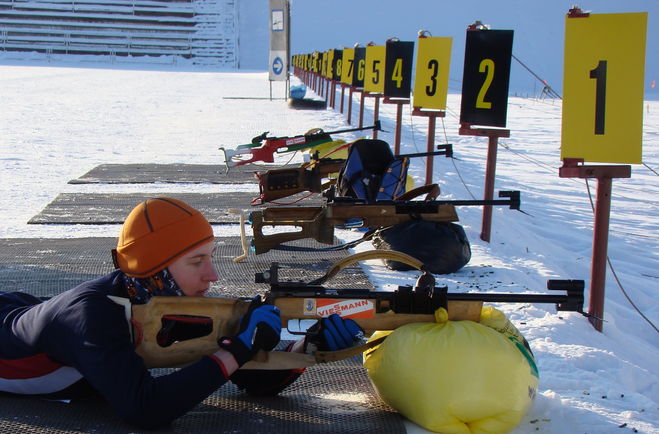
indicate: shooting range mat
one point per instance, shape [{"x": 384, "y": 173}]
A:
[
  {"x": 173, "y": 173},
  {"x": 112, "y": 208},
  {"x": 46, "y": 267},
  {"x": 330, "y": 398}
]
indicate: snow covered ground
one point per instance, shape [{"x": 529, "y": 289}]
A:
[{"x": 56, "y": 123}]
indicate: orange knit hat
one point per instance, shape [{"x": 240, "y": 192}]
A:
[{"x": 156, "y": 233}]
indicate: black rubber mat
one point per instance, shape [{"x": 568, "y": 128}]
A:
[
  {"x": 171, "y": 173},
  {"x": 46, "y": 267},
  {"x": 306, "y": 104},
  {"x": 330, "y": 398},
  {"x": 109, "y": 208}
]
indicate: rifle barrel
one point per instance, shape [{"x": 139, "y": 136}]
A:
[
  {"x": 376, "y": 126},
  {"x": 507, "y": 298},
  {"x": 423, "y": 154}
]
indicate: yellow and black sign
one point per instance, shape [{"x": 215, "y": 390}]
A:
[
  {"x": 603, "y": 74},
  {"x": 398, "y": 69},
  {"x": 314, "y": 65},
  {"x": 486, "y": 77},
  {"x": 323, "y": 63},
  {"x": 348, "y": 67},
  {"x": 319, "y": 62},
  {"x": 329, "y": 63},
  {"x": 374, "y": 73},
  {"x": 359, "y": 66},
  {"x": 337, "y": 65},
  {"x": 433, "y": 60}
]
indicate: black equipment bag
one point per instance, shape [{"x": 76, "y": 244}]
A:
[{"x": 442, "y": 247}]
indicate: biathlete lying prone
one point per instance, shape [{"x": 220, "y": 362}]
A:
[{"x": 78, "y": 342}]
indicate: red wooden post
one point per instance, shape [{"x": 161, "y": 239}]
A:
[
  {"x": 332, "y": 95},
  {"x": 493, "y": 135},
  {"x": 399, "y": 120},
  {"x": 574, "y": 168},
  {"x": 429, "y": 148},
  {"x": 376, "y": 114},
  {"x": 361, "y": 107},
  {"x": 343, "y": 89},
  {"x": 400, "y": 102},
  {"x": 376, "y": 111},
  {"x": 432, "y": 122},
  {"x": 488, "y": 189},
  {"x": 328, "y": 82},
  {"x": 350, "y": 104}
]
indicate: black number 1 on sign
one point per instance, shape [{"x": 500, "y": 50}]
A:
[{"x": 599, "y": 74}]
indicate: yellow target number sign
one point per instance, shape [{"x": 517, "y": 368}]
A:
[
  {"x": 374, "y": 68},
  {"x": 348, "y": 66},
  {"x": 329, "y": 63},
  {"x": 432, "y": 70},
  {"x": 603, "y": 87}
]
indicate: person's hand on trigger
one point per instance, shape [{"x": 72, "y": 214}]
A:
[
  {"x": 260, "y": 329},
  {"x": 335, "y": 333}
]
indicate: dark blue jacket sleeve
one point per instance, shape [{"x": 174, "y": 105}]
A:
[{"x": 101, "y": 349}]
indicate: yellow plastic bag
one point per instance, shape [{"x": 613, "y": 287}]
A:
[{"x": 456, "y": 376}]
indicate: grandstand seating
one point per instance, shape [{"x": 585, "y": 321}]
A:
[{"x": 204, "y": 31}]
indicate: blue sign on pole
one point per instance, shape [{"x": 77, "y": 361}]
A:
[{"x": 277, "y": 65}]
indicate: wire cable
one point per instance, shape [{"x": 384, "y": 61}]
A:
[
  {"x": 651, "y": 169},
  {"x": 608, "y": 260},
  {"x": 412, "y": 127},
  {"x": 455, "y": 165},
  {"x": 547, "y": 88}
]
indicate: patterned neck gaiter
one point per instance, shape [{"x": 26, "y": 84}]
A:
[{"x": 140, "y": 290}]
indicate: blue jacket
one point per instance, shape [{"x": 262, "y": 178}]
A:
[{"x": 81, "y": 336}]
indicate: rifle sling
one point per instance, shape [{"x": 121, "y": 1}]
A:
[{"x": 364, "y": 256}]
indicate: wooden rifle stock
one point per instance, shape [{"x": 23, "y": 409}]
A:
[
  {"x": 319, "y": 222},
  {"x": 224, "y": 314}
]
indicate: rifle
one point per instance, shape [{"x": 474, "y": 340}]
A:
[
  {"x": 319, "y": 222},
  {"x": 372, "y": 310},
  {"x": 265, "y": 151},
  {"x": 278, "y": 183}
]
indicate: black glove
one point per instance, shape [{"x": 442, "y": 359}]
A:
[
  {"x": 335, "y": 333},
  {"x": 260, "y": 329}
]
